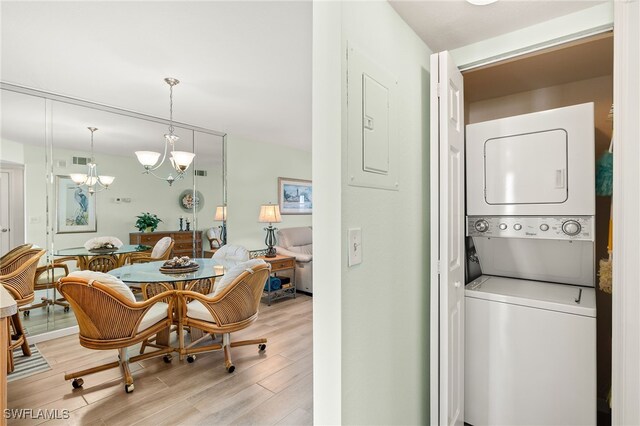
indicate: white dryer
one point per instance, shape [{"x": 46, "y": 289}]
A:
[{"x": 533, "y": 164}]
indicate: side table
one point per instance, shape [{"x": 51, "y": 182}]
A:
[{"x": 278, "y": 264}]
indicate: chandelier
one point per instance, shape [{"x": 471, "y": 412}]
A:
[
  {"x": 91, "y": 179},
  {"x": 180, "y": 160}
]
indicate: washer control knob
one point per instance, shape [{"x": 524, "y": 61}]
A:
[
  {"x": 544, "y": 227},
  {"x": 503, "y": 226},
  {"x": 517, "y": 227},
  {"x": 481, "y": 225},
  {"x": 571, "y": 227}
]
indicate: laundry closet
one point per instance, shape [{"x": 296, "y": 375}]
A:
[{"x": 552, "y": 236}]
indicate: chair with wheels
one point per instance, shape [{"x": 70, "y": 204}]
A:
[
  {"x": 110, "y": 318},
  {"x": 17, "y": 278},
  {"x": 45, "y": 279},
  {"x": 233, "y": 306},
  {"x": 161, "y": 251}
]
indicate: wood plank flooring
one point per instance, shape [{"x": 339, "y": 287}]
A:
[{"x": 268, "y": 389}]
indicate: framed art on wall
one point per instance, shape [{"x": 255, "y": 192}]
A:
[
  {"x": 76, "y": 208},
  {"x": 295, "y": 196}
]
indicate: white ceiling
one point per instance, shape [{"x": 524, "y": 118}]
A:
[
  {"x": 244, "y": 67},
  {"x": 449, "y": 24}
]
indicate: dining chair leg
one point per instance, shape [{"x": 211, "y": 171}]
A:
[
  {"x": 10, "y": 366},
  {"x": 227, "y": 352},
  {"x": 19, "y": 332},
  {"x": 124, "y": 363}
]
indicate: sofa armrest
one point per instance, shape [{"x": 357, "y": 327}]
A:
[{"x": 300, "y": 257}]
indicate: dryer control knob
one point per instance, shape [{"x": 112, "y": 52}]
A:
[
  {"x": 503, "y": 226},
  {"x": 571, "y": 227},
  {"x": 517, "y": 227},
  {"x": 481, "y": 225},
  {"x": 544, "y": 227}
]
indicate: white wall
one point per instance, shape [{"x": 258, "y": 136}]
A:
[
  {"x": 384, "y": 312},
  {"x": 11, "y": 151},
  {"x": 252, "y": 179}
]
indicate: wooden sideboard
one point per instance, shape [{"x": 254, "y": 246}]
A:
[{"x": 183, "y": 241}]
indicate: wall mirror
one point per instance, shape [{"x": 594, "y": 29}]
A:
[{"x": 45, "y": 139}]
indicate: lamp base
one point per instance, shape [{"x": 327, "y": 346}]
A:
[{"x": 271, "y": 252}]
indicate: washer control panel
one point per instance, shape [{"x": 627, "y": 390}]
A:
[{"x": 548, "y": 227}]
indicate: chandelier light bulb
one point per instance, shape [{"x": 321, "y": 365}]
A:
[{"x": 147, "y": 158}]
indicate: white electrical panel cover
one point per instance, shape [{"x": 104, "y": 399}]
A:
[
  {"x": 372, "y": 121},
  {"x": 533, "y": 164}
]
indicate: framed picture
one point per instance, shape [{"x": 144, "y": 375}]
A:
[
  {"x": 295, "y": 196},
  {"x": 76, "y": 208}
]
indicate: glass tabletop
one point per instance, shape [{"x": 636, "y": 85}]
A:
[
  {"x": 81, "y": 251},
  {"x": 150, "y": 272}
]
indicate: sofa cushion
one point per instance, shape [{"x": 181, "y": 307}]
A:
[
  {"x": 233, "y": 273},
  {"x": 295, "y": 237},
  {"x": 106, "y": 279}
]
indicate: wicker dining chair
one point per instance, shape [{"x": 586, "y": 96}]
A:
[
  {"x": 17, "y": 278},
  {"x": 110, "y": 318},
  {"x": 161, "y": 251},
  {"x": 7, "y": 257},
  {"x": 233, "y": 306},
  {"x": 102, "y": 263},
  {"x": 45, "y": 279}
]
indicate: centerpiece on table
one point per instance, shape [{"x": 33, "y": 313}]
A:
[
  {"x": 103, "y": 244},
  {"x": 179, "y": 265},
  {"x": 147, "y": 222}
]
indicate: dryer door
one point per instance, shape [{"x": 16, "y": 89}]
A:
[{"x": 527, "y": 168}]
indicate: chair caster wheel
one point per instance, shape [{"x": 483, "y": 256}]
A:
[
  {"x": 167, "y": 359},
  {"x": 128, "y": 388},
  {"x": 191, "y": 358},
  {"x": 66, "y": 309},
  {"x": 262, "y": 347},
  {"x": 26, "y": 313},
  {"x": 231, "y": 368},
  {"x": 77, "y": 383}
]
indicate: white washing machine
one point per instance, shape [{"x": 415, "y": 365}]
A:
[
  {"x": 530, "y": 353},
  {"x": 530, "y": 319}
]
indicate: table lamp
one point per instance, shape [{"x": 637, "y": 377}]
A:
[
  {"x": 221, "y": 215},
  {"x": 270, "y": 213}
]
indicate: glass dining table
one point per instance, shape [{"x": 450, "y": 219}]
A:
[
  {"x": 151, "y": 281},
  {"x": 115, "y": 258}
]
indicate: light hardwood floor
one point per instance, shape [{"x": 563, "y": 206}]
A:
[{"x": 272, "y": 388}]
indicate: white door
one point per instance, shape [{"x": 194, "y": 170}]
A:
[
  {"x": 447, "y": 241},
  {"x": 5, "y": 230}
]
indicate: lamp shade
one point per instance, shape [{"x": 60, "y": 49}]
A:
[
  {"x": 269, "y": 213},
  {"x": 106, "y": 180},
  {"x": 78, "y": 178},
  {"x": 181, "y": 159},
  {"x": 147, "y": 158},
  {"x": 221, "y": 213}
]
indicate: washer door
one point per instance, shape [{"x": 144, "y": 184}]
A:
[{"x": 526, "y": 169}]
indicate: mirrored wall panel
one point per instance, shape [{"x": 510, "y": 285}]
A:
[{"x": 83, "y": 179}]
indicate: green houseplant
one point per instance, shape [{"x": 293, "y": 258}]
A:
[{"x": 147, "y": 222}]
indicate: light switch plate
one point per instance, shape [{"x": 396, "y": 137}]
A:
[{"x": 355, "y": 246}]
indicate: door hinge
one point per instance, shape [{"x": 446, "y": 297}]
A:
[
  {"x": 438, "y": 89},
  {"x": 438, "y": 266}
]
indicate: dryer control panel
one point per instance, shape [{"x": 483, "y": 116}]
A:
[{"x": 547, "y": 228}]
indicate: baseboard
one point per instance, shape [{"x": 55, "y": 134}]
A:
[{"x": 50, "y": 335}]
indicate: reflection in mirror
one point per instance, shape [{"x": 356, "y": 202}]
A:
[
  {"x": 62, "y": 215},
  {"x": 24, "y": 194}
]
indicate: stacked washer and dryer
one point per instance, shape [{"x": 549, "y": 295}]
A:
[{"x": 530, "y": 327}]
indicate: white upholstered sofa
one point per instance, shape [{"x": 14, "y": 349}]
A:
[{"x": 298, "y": 243}]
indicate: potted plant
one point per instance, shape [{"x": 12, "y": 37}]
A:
[{"x": 147, "y": 222}]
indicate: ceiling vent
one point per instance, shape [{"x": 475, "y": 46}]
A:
[
  {"x": 200, "y": 172},
  {"x": 82, "y": 161}
]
